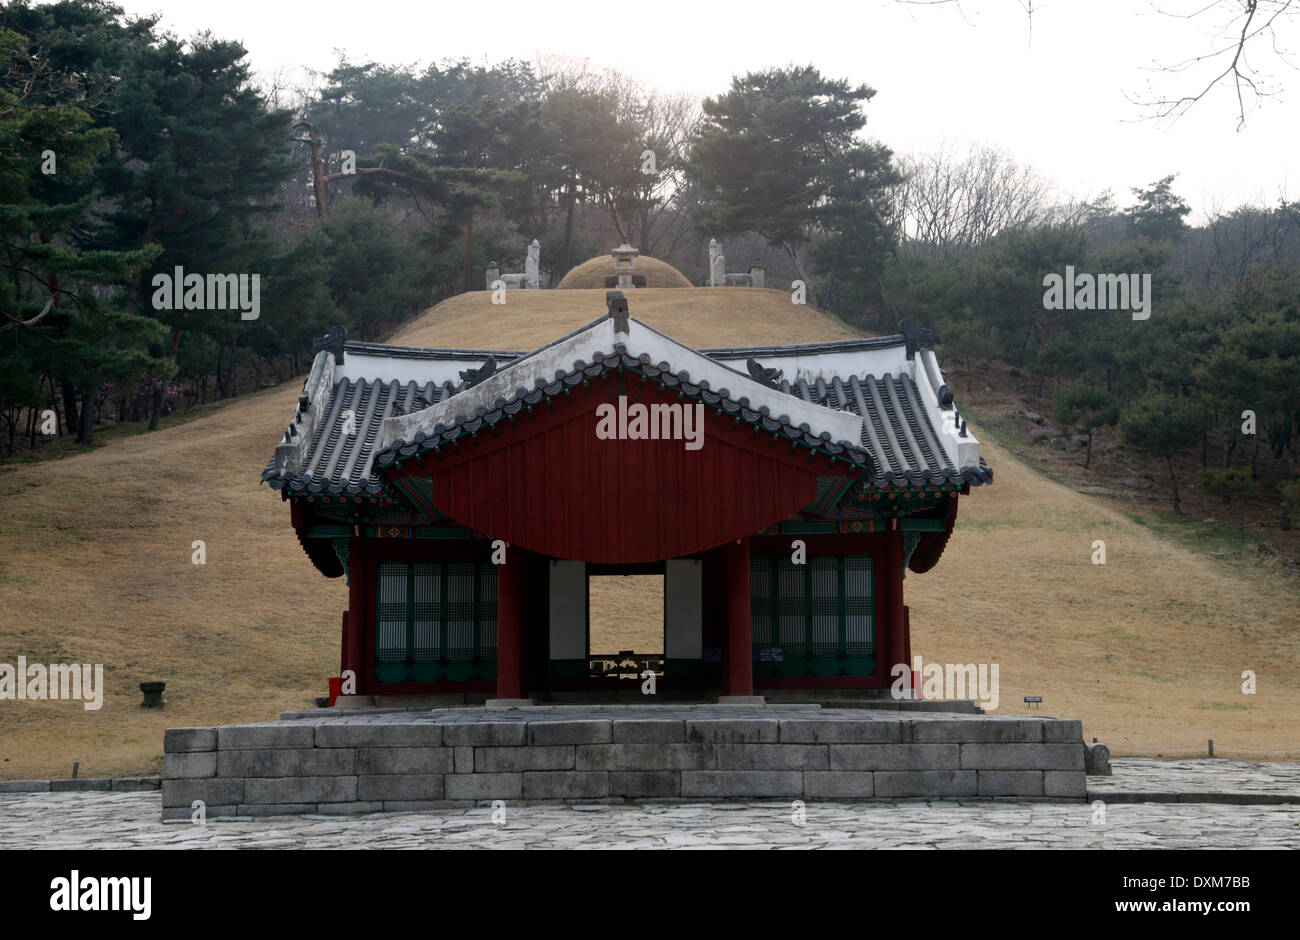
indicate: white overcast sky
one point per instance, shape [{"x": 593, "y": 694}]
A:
[{"x": 1054, "y": 97}]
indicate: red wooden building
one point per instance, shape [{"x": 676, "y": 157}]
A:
[{"x": 781, "y": 491}]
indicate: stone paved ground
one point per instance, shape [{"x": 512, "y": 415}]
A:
[
  {"x": 130, "y": 820},
  {"x": 1203, "y": 775}
]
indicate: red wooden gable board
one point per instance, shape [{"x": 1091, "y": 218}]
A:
[{"x": 546, "y": 482}]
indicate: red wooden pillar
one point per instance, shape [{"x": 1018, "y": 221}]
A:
[
  {"x": 511, "y": 583},
  {"x": 358, "y": 615},
  {"x": 738, "y": 655},
  {"x": 907, "y": 650},
  {"x": 895, "y": 630}
]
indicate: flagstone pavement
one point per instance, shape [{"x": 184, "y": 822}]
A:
[{"x": 107, "y": 820}]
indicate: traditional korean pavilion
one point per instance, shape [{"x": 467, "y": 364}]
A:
[{"x": 469, "y": 495}]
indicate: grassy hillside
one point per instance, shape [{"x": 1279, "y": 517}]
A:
[
  {"x": 95, "y": 566},
  {"x": 735, "y": 317}
]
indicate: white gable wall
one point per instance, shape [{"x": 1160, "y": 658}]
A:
[
  {"x": 962, "y": 451},
  {"x": 357, "y": 366}
]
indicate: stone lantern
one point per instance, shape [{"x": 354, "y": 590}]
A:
[{"x": 624, "y": 265}]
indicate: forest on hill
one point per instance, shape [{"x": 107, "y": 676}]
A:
[{"x": 134, "y": 160}]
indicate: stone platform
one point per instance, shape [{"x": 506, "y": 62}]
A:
[{"x": 366, "y": 760}]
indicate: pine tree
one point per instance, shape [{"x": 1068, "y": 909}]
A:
[
  {"x": 198, "y": 158},
  {"x": 1163, "y": 426},
  {"x": 60, "y": 302},
  {"x": 773, "y": 155}
]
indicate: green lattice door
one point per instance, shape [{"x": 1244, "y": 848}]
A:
[
  {"x": 814, "y": 619},
  {"x": 436, "y": 621}
]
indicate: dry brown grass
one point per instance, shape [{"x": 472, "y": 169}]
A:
[
  {"x": 737, "y": 316},
  {"x": 95, "y": 567},
  {"x": 1147, "y": 649},
  {"x": 591, "y": 274},
  {"x": 626, "y": 613}
]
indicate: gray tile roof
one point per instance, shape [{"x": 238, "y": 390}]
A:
[
  {"x": 506, "y": 356},
  {"x": 899, "y": 444},
  {"x": 897, "y": 430},
  {"x": 619, "y": 358},
  {"x": 339, "y": 463}
]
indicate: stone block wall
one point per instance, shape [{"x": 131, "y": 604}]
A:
[{"x": 413, "y": 763}]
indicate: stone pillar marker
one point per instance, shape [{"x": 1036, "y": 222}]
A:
[
  {"x": 717, "y": 267},
  {"x": 493, "y": 273},
  {"x": 625, "y": 265},
  {"x": 533, "y": 266},
  {"x": 757, "y": 275}
]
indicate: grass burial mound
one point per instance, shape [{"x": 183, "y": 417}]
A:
[
  {"x": 96, "y": 567},
  {"x": 592, "y": 273}
]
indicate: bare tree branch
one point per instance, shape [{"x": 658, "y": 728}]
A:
[
  {"x": 15, "y": 323},
  {"x": 950, "y": 203},
  {"x": 1248, "y": 22},
  {"x": 1257, "y": 19}
]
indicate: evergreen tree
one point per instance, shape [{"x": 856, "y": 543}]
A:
[
  {"x": 1162, "y": 426},
  {"x": 1087, "y": 409},
  {"x": 61, "y": 301},
  {"x": 1228, "y": 485},
  {"x": 1158, "y": 214},
  {"x": 198, "y": 158},
  {"x": 594, "y": 156},
  {"x": 773, "y": 154}
]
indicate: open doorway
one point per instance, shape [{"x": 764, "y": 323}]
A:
[{"x": 625, "y": 623}]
